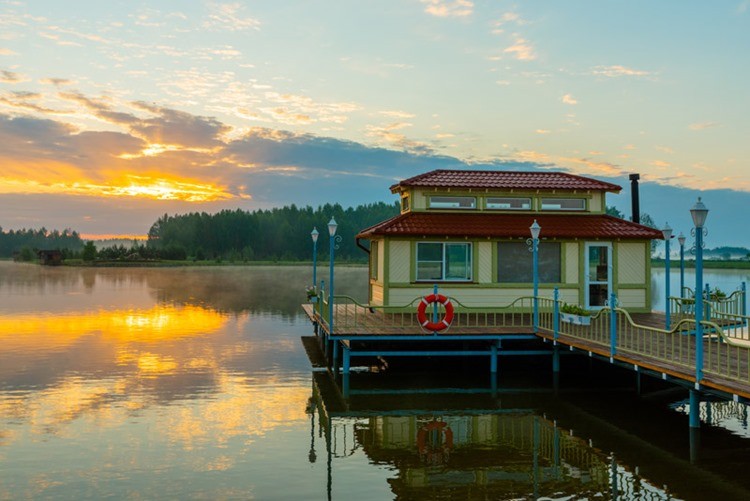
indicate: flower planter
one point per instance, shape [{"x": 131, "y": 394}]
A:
[{"x": 575, "y": 319}]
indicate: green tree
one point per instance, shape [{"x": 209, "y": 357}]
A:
[{"x": 89, "y": 252}]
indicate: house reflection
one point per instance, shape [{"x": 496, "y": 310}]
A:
[{"x": 487, "y": 453}]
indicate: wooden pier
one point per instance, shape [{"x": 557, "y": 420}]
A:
[{"x": 640, "y": 341}]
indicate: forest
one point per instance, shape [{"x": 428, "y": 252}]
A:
[
  {"x": 23, "y": 243},
  {"x": 265, "y": 235}
]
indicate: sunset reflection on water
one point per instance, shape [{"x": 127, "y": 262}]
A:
[{"x": 138, "y": 381}]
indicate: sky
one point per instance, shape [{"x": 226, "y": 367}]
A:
[{"x": 114, "y": 113}]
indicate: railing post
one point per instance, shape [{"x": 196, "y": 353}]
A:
[
  {"x": 435, "y": 305},
  {"x": 707, "y": 313},
  {"x": 612, "y": 326},
  {"x": 743, "y": 306},
  {"x": 556, "y": 316}
]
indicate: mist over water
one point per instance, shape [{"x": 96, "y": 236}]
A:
[{"x": 192, "y": 383}]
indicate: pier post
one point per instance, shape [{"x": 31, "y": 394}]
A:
[
  {"x": 612, "y": 325},
  {"x": 695, "y": 423},
  {"x": 707, "y": 313},
  {"x": 667, "y": 233},
  {"x": 335, "y": 356},
  {"x": 493, "y": 358},
  {"x": 556, "y": 316},
  {"x": 613, "y": 478},
  {"x": 743, "y": 288}
]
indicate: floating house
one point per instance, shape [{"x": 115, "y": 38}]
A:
[
  {"x": 467, "y": 232},
  {"x": 50, "y": 257}
]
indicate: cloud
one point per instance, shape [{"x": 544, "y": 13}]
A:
[
  {"x": 743, "y": 6},
  {"x": 508, "y": 17},
  {"x": 10, "y": 77},
  {"x": 521, "y": 50},
  {"x": 57, "y": 82},
  {"x": 542, "y": 131},
  {"x": 618, "y": 71},
  {"x": 703, "y": 125},
  {"x": 227, "y": 17},
  {"x": 569, "y": 99},
  {"x": 449, "y": 8},
  {"x": 7, "y": 52}
]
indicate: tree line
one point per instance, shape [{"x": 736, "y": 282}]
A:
[
  {"x": 265, "y": 235},
  {"x": 23, "y": 243}
]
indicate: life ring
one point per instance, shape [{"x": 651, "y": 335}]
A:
[
  {"x": 435, "y": 451},
  {"x": 422, "y": 315}
]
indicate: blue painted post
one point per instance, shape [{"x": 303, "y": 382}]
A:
[
  {"x": 556, "y": 316},
  {"x": 493, "y": 358},
  {"x": 707, "y": 295},
  {"x": 612, "y": 325},
  {"x": 681, "y": 239},
  {"x": 695, "y": 407},
  {"x": 314, "y": 235},
  {"x": 667, "y": 280},
  {"x": 347, "y": 360},
  {"x": 613, "y": 473},
  {"x": 331, "y": 246},
  {"x": 743, "y": 288},
  {"x": 536, "y": 284},
  {"x": 698, "y": 304},
  {"x": 435, "y": 305}
]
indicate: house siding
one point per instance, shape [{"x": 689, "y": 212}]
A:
[
  {"x": 399, "y": 261},
  {"x": 571, "y": 263},
  {"x": 377, "y": 294},
  {"x": 631, "y": 263},
  {"x": 632, "y": 298},
  {"x": 484, "y": 261}
]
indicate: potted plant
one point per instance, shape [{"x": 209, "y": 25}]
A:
[
  {"x": 312, "y": 294},
  {"x": 574, "y": 314}
]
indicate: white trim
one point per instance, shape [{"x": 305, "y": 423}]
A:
[{"x": 586, "y": 280}]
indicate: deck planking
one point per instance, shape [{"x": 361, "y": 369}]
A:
[{"x": 674, "y": 352}]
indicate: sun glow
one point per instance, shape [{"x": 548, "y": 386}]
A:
[{"x": 160, "y": 323}]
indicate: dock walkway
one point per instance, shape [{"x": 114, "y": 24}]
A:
[{"x": 637, "y": 340}]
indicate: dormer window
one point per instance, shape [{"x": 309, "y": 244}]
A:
[
  {"x": 441, "y": 202},
  {"x": 573, "y": 204},
  {"x": 508, "y": 203},
  {"x": 405, "y": 203}
]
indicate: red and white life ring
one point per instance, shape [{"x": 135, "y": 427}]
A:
[
  {"x": 435, "y": 441},
  {"x": 422, "y": 315}
]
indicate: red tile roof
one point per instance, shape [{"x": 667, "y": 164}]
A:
[
  {"x": 486, "y": 225},
  {"x": 502, "y": 180}
]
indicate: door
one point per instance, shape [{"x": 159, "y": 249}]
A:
[{"x": 598, "y": 275}]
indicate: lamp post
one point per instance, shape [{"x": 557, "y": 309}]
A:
[
  {"x": 535, "y": 229},
  {"x": 699, "y": 212},
  {"x": 331, "y": 247},
  {"x": 681, "y": 239},
  {"x": 667, "y": 232},
  {"x": 314, "y": 234}
]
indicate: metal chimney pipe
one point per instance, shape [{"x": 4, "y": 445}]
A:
[{"x": 635, "y": 197}]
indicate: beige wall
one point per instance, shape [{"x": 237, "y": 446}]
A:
[
  {"x": 376, "y": 292},
  {"x": 399, "y": 261},
  {"x": 631, "y": 263},
  {"x": 571, "y": 262},
  {"x": 381, "y": 261},
  {"x": 484, "y": 262},
  {"x": 631, "y": 298},
  {"x": 596, "y": 202},
  {"x": 485, "y": 297}
]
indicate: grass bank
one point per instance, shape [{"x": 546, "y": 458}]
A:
[{"x": 711, "y": 264}]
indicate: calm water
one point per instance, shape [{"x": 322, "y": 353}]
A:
[{"x": 192, "y": 383}]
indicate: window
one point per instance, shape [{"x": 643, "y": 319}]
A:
[
  {"x": 374, "y": 260},
  {"x": 563, "y": 204},
  {"x": 453, "y": 202},
  {"x": 508, "y": 203},
  {"x": 443, "y": 261},
  {"x": 515, "y": 263},
  {"x": 405, "y": 203}
]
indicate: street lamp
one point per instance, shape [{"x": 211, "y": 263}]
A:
[
  {"x": 667, "y": 232},
  {"x": 681, "y": 239},
  {"x": 535, "y": 229},
  {"x": 699, "y": 212},
  {"x": 314, "y": 234},
  {"x": 331, "y": 247}
]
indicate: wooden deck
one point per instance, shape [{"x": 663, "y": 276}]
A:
[{"x": 643, "y": 344}]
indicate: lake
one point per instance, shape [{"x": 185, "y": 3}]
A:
[{"x": 192, "y": 383}]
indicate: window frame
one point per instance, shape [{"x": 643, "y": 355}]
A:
[
  {"x": 456, "y": 197},
  {"x": 561, "y": 209},
  {"x": 469, "y": 262},
  {"x": 528, "y": 199}
]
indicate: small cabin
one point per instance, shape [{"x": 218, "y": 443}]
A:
[
  {"x": 468, "y": 232},
  {"x": 50, "y": 257}
]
